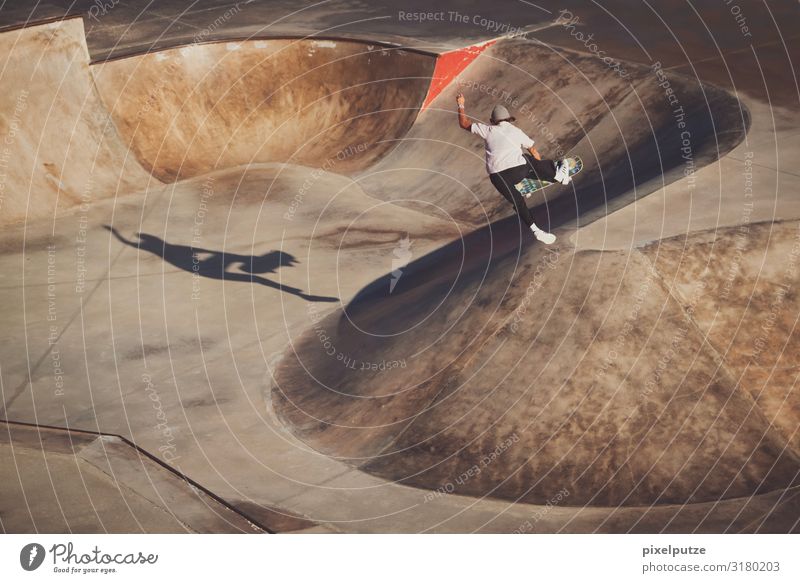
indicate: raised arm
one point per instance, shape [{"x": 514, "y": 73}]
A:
[{"x": 463, "y": 120}]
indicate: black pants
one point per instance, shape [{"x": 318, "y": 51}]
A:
[{"x": 504, "y": 182}]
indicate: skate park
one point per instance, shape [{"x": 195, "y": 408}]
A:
[{"x": 256, "y": 279}]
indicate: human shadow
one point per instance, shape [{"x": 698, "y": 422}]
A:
[{"x": 216, "y": 264}]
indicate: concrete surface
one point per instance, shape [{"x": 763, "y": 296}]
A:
[
  {"x": 189, "y": 111},
  {"x": 180, "y": 272},
  {"x": 81, "y": 482}
]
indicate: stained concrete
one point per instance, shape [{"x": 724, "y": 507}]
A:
[
  {"x": 68, "y": 152},
  {"x": 627, "y": 138},
  {"x": 740, "y": 285},
  {"x": 556, "y": 383},
  {"x": 195, "y": 109},
  {"x": 214, "y": 348},
  {"x": 67, "y": 481}
]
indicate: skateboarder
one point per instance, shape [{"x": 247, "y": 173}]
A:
[{"x": 507, "y": 164}]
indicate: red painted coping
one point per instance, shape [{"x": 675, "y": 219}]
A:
[{"x": 449, "y": 65}]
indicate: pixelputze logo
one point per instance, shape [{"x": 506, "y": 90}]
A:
[
  {"x": 402, "y": 255},
  {"x": 31, "y": 556}
]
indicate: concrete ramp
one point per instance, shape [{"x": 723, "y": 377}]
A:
[
  {"x": 392, "y": 310},
  {"x": 628, "y": 131},
  {"x": 60, "y": 148},
  {"x": 496, "y": 367},
  {"x": 78, "y": 132},
  {"x": 512, "y": 372},
  {"x": 71, "y": 481},
  {"x": 321, "y": 103}
]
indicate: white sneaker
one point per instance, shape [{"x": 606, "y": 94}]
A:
[
  {"x": 544, "y": 237},
  {"x": 562, "y": 172}
]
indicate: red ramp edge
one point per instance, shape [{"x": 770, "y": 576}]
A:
[{"x": 449, "y": 65}]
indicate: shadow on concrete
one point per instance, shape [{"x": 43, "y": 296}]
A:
[
  {"x": 215, "y": 264},
  {"x": 449, "y": 310}
]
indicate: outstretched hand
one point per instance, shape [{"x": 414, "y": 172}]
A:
[{"x": 463, "y": 120}]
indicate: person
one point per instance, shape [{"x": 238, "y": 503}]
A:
[{"x": 511, "y": 157}]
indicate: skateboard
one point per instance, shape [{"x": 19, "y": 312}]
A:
[{"x": 529, "y": 185}]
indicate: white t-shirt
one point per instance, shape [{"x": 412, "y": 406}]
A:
[{"x": 504, "y": 143}]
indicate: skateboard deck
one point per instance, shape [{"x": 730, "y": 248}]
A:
[{"x": 529, "y": 185}]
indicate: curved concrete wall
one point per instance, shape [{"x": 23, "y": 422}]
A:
[
  {"x": 505, "y": 386},
  {"x": 624, "y": 129},
  {"x": 58, "y": 146},
  {"x": 190, "y": 110},
  {"x": 500, "y": 368},
  {"x": 74, "y": 133}
]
